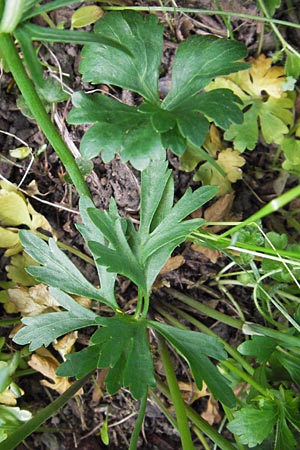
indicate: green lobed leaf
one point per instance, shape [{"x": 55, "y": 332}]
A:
[
  {"x": 44, "y": 329},
  {"x": 198, "y": 60},
  {"x": 254, "y": 425},
  {"x": 125, "y": 349},
  {"x": 259, "y": 346},
  {"x": 138, "y": 71},
  {"x": 56, "y": 268},
  {"x": 11, "y": 419},
  {"x": 90, "y": 232},
  {"x": 143, "y": 133},
  {"x": 141, "y": 254},
  {"x": 196, "y": 348},
  {"x": 119, "y": 258},
  {"x": 118, "y": 128},
  {"x": 80, "y": 363}
]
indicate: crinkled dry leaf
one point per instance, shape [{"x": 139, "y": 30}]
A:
[
  {"x": 44, "y": 362},
  {"x": 173, "y": 263},
  {"x": 65, "y": 344},
  {"x": 221, "y": 211},
  {"x": 212, "y": 413},
  {"x": 191, "y": 393},
  {"x": 30, "y": 301},
  {"x": 212, "y": 255}
]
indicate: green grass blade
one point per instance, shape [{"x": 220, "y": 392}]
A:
[{"x": 32, "y": 425}]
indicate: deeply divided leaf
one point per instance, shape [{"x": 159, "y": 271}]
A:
[
  {"x": 56, "y": 269},
  {"x": 120, "y": 344},
  {"x": 44, "y": 329},
  {"x": 140, "y": 254},
  {"x": 197, "y": 348}
]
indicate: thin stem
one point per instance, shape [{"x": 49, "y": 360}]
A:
[
  {"x": 146, "y": 304},
  {"x": 244, "y": 376},
  {"x": 34, "y": 103},
  {"x": 210, "y": 312},
  {"x": 207, "y": 12},
  {"x": 283, "y": 42},
  {"x": 33, "y": 424},
  {"x": 207, "y": 429},
  {"x": 272, "y": 206},
  {"x": 179, "y": 405},
  {"x": 139, "y": 422}
]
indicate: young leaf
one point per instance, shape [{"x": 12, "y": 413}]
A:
[
  {"x": 196, "y": 348},
  {"x": 44, "y": 329},
  {"x": 138, "y": 72},
  {"x": 141, "y": 254},
  {"x": 56, "y": 268},
  {"x": 119, "y": 257},
  {"x": 254, "y": 425}
]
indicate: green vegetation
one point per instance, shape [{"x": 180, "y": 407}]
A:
[{"x": 215, "y": 95}]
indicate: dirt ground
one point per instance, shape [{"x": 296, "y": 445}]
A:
[{"x": 78, "y": 423}]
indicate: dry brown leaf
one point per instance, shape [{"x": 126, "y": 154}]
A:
[
  {"x": 30, "y": 301},
  {"x": 220, "y": 211},
  {"x": 212, "y": 414},
  {"x": 173, "y": 263},
  {"x": 45, "y": 363},
  {"x": 65, "y": 345},
  {"x": 191, "y": 393},
  {"x": 212, "y": 255}
]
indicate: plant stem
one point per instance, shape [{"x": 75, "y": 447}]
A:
[
  {"x": 207, "y": 12},
  {"x": 207, "y": 429},
  {"x": 139, "y": 423},
  {"x": 283, "y": 42},
  {"x": 210, "y": 312},
  {"x": 179, "y": 405},
  {"x": 34, "y": 103},
  {"x": 272, "y": 206},
  {"x": 33, "y": 424}
]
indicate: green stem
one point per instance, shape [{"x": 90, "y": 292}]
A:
[
  {"x": 179, "y": 405},
  {"x": 244, "y": 376},
  {"x": 33, "y": 424},
  {"x": 272, "y": 206},
  {"x": 283, "y": 42},
  {"x": 139, "y": 422},
  {"x": 34, "y": 103},
  {"x": 210, "y": 312},
  {"x": 207, "y": 12},
  {"x": 207, "y": 429}
]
